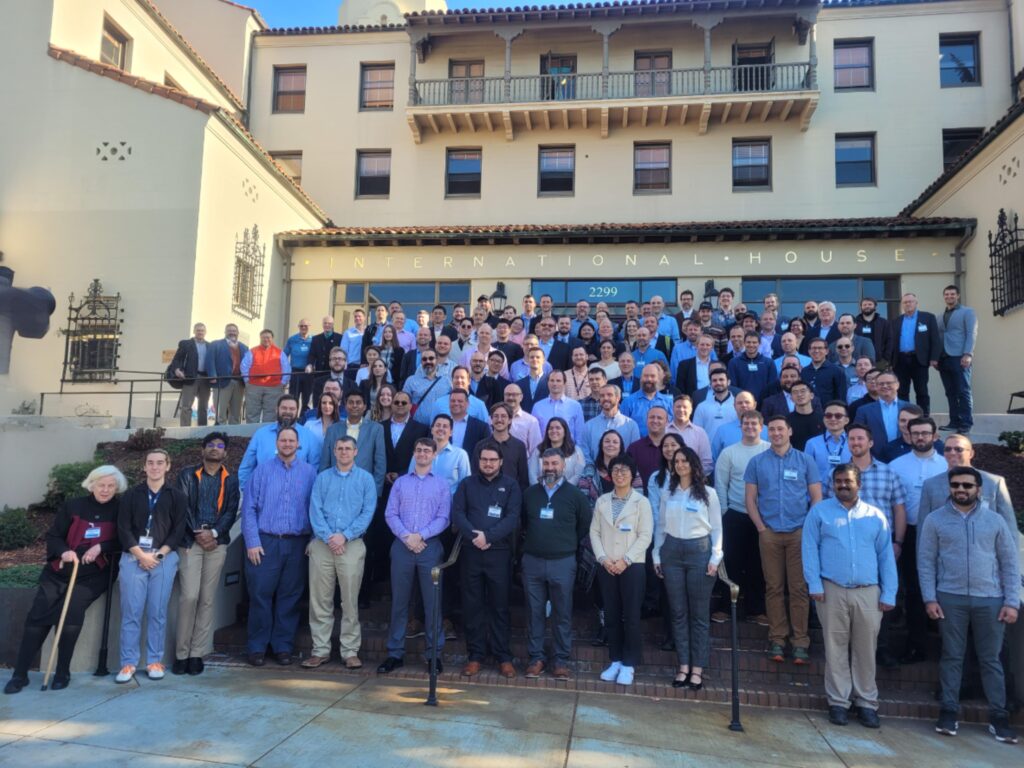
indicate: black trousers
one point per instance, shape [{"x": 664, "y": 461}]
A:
[
  {"x": 486, "y": 578},
  {"x": 913, "y": 603},
  {"x": 378, "y": 540},
  {"x": 300, "y": 384},
  {"x": 910, "y": 371},
  {"x": 743, "y": 560},
  {"x": 623, "y": 595}
]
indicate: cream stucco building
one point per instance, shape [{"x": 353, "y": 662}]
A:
[{"x": 605, "y": 152}]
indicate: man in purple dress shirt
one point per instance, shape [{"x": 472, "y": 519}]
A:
[
  {"x": 275, "y": 525},
  {"x": 418, "y": 511}
]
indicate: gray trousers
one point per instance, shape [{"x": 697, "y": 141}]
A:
[
  {"x": 684, "y": 562},
  {"x": 406, "y": 569},
  {"x": 981, "y": 615},
  {"x": 261, "y": 403},
  {"x": 552, "y": 580},
  {"x": 229, "y": 402},
  {"x": 198, "y": 390}
]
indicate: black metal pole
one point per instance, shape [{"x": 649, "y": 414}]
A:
[
  {"x": 735, "y": 725},
  {"x": 435, "y": 577},
  {"x": 101, "y": 660},
  {"x": 131, "y": 396}
]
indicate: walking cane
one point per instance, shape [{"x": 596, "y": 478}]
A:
[
  {"x": 60, "y": 626},
  {"x": 101, "y": 660}
]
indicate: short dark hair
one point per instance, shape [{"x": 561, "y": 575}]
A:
[
  {"x": 355, "y": 393},
  {"x": 864, "y": 427},
  {"x": 459, "y": 391},
  {"x": 923, "y": 421},
  {"x": 820, "y": 341},
  {"x": 427, "y": 441},
  {"x": 965, "y": 471},
  {"x": 501, "y": 407},
  {"x": 847, "y": 468},
  {"x": 728, "y": 290},
  {"x": 489, "y": 445},
  {"x": 779, "y": 417},
  {"x": 837, "y": 404},
  {"x": 344, "y": 439},
  {"x": 624, "y": 460},
  {"x": 752, "y": 414},
  {"x": 951, "y": 288},
  {"x": 443, "y": 417},
  {"x": 911, "y": 408},
  {"x": 280, "y": 432},
  {"x": 222, "y": 436},
  {"x": 287, "y": 396},
  {"x": 752, "y": 334},
  {"x": 267, "y": 330},
  {"x": 441, "y": 307}
]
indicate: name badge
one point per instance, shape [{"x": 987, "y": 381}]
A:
[
  {"x": 866, "y": 330},
  {"x": 789, "y": 474},
  {"x": 692, "y": 506},
  {"x": 146, "y": 543},
  {"x": 547, "y": 513},
  {"x": 919, "y": 483},
  {"x": 921, "y": 327},
  {"x": 625, "y": 527},
  {"x": 92, "y": 533},
  {"x": 751, "y": 366},
  {"x": 494, "y": 511},
  {"x": 834, "y": 458}
]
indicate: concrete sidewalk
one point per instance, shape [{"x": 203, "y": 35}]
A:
[{"x": 295, "y": 719}]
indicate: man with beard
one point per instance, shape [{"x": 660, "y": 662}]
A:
[
  {"x": 810, "y": 313},
  {"x": 639, "y": 403},
  {"x": 824, "y": 378},
  {"x": 861, "y": 346},
  {"x": 337, "y": 363},
  {"x": 427, "y": 384},
  {"x": 226, "y": 375},
  {"x": 610, "y": 417},
  {"x": 513, "y": 450},
  {"x": 717, "y": 409},
  {"x": 263, "y": 444},
  {"x": 871, "y": 325},
  {"x": 752, "y": 371},
  {"x": 369, "y": 437}
]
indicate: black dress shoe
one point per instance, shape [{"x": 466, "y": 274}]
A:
[
  {"x": 868, "y": 717},
  {"x": 390, "y": 664},
  {"x": 838, "y": 715},
  {"x": 886, "y": 660},
  {"x": 601, "y": 640},
  {"x": 195, "y": 665},
  {"x": 257, "y": 659},
  {"x": 440, "y": 667},
  {"x": 60, "y": 682},
  {"x": 15, "y": 684},
  {"x": 364, "y": 604},
  {"x": 914, "y": 657},
  {"x": 668, "y": 645},
  {"x": 284, "y": 658},
  {"x": 951, "y": 427},
  {"x": 179, "y": 667}
]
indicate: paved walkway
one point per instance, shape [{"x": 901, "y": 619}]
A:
[{"x": 295, "y": 719}]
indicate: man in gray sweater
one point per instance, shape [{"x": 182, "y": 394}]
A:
[{"x": 970, "y": 579}]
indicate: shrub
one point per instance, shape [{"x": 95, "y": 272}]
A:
[
  {"x": 66, "y": 482},
  {"x": 16, "y": 530},
  {"x": 1014, "y": 441},
  {"x": 19, "y": 576},
  {"x": 145, "y": 439}
]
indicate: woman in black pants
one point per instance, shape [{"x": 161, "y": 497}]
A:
[{"x": 84, "y": 530}]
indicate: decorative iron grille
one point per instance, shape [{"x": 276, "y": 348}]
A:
[
  {"x": 1006, "y": 258},
  {"x": 247, "y": 289},
  {"x": 92, "y": 337}
]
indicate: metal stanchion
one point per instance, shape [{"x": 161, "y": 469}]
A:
[
  {"x": 131, "y": 396},
  {"x": 734, "y": 596},
  {"x": 435, "y": 618},
  {"x": 101, "y": 660}
]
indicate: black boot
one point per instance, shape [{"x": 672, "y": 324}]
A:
[{"x": 65, "y": 650}]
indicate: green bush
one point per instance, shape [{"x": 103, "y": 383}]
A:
[
  {"x": 16, "y": 530},
  {"x": 145, "y": 439},
  {"x": 66, "y": 482},
  {"x": 19, "y": 576},
  {"x": 1014, "y": 441}
]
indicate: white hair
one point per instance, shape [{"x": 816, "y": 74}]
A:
[
  {"x": 827, "y": 305},
  {"x": 107, "y": 470}
]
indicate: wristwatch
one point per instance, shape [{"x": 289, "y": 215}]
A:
[{"x": 159, "y": 555}]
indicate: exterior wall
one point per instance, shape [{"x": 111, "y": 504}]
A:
[
  {"x": 371, "y": 12},
  {"x": 78, "y": 26},
  {"x": 991, "y": 181},
  {"x": 220, "y": 32},
  {"x": 907, "y": 110}
]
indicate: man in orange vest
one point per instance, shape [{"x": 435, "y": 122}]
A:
[{"x": 265, "y": 370}]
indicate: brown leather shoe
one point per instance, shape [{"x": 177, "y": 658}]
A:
[
  {"x": 535, "y": 669},
  {"x": 472, "y": 668},
  {"x": 560, "y": 673},
  {"x": 353, "y": 662},
  {"x": 505, "y": 669},
  {"x": 313, "y": 662}
]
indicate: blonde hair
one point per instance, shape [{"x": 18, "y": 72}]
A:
[{"x": 107, "y": 470}]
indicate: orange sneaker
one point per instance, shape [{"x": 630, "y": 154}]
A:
[
  {"x": 126, "y": 675},
  {"x": 156, "y": 671}
]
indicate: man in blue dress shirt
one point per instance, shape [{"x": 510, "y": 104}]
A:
[
  {"x": 649, "y": 395},
  {"x": 263, "y": 444}
]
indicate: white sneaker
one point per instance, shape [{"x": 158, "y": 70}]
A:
[
  {"x": 126, "y": 675},
  {"x": 155, "y": 671},
  {"x": 625, "y": 676},
  {"x": 612, "y": 672}
]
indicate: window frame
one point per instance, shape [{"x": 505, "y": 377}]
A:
[
  {"x": 375, "y": 66},
  {"x": 873, "y": 137},
  {"x": 652, "y": 88},
  {"x": 448, "y": 194},
  {"x": 469, "y": 83},
  {"x": 286, "y": 155},
  {"x": 889, "y": 299},
  {"x": 541, "y": 149},
  {"x": 115, "y": 33},
  {"x": 637, "y": 145},
  {"x": 854, "y": 42},
  {"x": 289, "y": 69},
  {"x": 752, "y": 140},
  {"x": 973, "y": 133},
  {"x": 949, "y": 38},
  {"x": 366, "y": 153}
]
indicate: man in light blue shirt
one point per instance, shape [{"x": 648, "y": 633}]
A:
[
  {"x": 451, "y": 463},
  {"x": 263, "y": 444},
  {"x": 667, "y": 325},
  {"x": 830, "y": 449},
  {"x": 850, "y": 571},
  {"x": 718, "y": 408},
  {"x": 731, "y": 432},
  {"x": 582, "y": 318},
  {"x": 557, "y": 404},
  {"x": 427, "y": 384},
  {"x": 644, "y": 352},
  {"x": 439, "y": 405},
  {"x": 609, "y": 418},
  {"x": 649, "y": 395}
]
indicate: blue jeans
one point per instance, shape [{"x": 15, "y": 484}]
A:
[
  {"x": 981, "y": 614},
  {"x": 148, "y": 591},
  {"x": 409, "y": 570},
  {"x": 956, "y": 380}
]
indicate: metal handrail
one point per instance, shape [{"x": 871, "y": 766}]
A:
[
  {"x": 435, "y": 577},
  {"x": 734, "y": 596}
]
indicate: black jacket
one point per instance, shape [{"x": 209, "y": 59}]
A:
[
  {"x": 399, "y": 455},
  {"x": 320, "y": 350},
  {"x": 188, "y": 484},
  {"x": 471, "y": 504},
  {"x": 169, "y": 517},
  {"x": 513, "y": 458},
  {"x": 476, "y": 431},
  {"x": 927, "y": 341},
  {"x": 186, "y": 357},
  {"x": 560, "y": 536},
  {"x": 880, "y": 333}
]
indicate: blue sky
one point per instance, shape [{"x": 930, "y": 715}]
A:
[{"x": 320, "y": 13}]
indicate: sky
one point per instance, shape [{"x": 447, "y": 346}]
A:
[{"x": 324, "y": 13}]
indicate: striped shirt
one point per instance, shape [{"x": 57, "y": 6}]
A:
[
  {"x": 419, "y": 504},
  {"x": 276, "y": 500}
]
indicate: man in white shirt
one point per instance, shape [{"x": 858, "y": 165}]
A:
[
  {"x": 525, "y": 427},
  {"x": 718, "y": 409},
  {"x": 557, "y": 404}
]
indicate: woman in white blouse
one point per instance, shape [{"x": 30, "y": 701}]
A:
[
  {"x": 687, "y": 551},
  {"x": 556, "y": 435}
]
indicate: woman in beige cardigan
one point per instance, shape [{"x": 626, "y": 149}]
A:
[{"x": 620, "y": 531}]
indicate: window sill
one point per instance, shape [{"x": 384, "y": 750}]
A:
[
  {"x": 646, "y": 192},
  {"x": 373, "y": 197},
  {"x": 378, "y": 109},
  {"x": 752, "y": 189},
  {"x": 860, "y": 185},
  {"x": 467, "y": 196},
  {"x": 288, "y": 112},
  {"x": 556, "y": 194},
  {"x": 858, "y": 89}
]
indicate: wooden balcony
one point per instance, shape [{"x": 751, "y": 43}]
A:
[{"x": 701, "y": 97}]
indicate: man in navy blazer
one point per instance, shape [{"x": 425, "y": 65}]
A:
[
  {"x": 958, "y": 329},
  {"x": 885, "y": 410},
  {"x": 916, "y": 346},
  {"x": 536, "y": 379},
  {"x": 224, "y": 367}
]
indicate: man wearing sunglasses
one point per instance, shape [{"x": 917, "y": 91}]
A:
[{"x": 970, "y": 580}]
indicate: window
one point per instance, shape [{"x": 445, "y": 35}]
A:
[
  {"x": 956, "y": 141},
  {"x": 413, "y": 296},
  {"x": 565, "y": 293},
  {"x": 247, "y": 286},
  {"x": 466, "y": 83},
  {"x": 844, "y": 292},
  {"x": 377, "y": 86},
  {"x": 289, "y": 89},
  {"x": 751, "y": 164},
  {"x": 292, "y": 164},
  {"x": 959, "y": 63},
  {"x": 557, "y": 171},
  {"x": 462, "y": 172},
  {"x": 114, "y": 45},
  {"x": 373, "y": 173},
  {"x": 854, "y": 64},
  {"x": 170, "y": 82},
  {"x": 560, "y": 81},
  {"x": 93, "y": 336},
  {"x": 753, "y": 66},
  {"x": 855, "y": 160},
  {"x": 652, "y": 168},
  {"x": 653, "y": 73}
]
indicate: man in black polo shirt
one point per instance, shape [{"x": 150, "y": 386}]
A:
[{"x": 485, "y": 510}]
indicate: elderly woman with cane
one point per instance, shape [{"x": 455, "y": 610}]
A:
[{"x": 82, "y": 540}]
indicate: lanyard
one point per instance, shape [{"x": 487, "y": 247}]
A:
[
  {"x": 839, "y": 450},
  {"x": 153, "y": 498}
]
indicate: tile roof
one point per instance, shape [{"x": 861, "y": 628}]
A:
[
  {"x": 335, "y": 30},
  {"x": 1014, "y": 112},
  {"x": 785, "y": 229},
  {"x": 206, "y": 107},
  {"x": 250, "y": 9}
]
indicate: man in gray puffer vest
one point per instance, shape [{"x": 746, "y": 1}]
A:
[{"x": 970, "y": 578}]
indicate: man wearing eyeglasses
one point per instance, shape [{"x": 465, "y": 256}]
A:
[
  {"x": 913, "y": 469},
  {"x": 862, "y": 347},
  {"x": 830, "y": 449},
  {"x": 970, "y": 580},
  {"x": 883, "y": 415}
]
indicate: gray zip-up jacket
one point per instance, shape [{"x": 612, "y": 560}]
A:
[{"x": 973, "y": 555}]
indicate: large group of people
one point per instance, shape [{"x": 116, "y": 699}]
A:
[{"x": 627, "y": 459}]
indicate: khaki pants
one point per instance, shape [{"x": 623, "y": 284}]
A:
[
  {"x": 261, "y": 404},
  {"x": 198, "y": 575},
  {"x": 850, "y": 620},
  {"x": 782, "y": 562},
  {"x": 229, "y": 402},
  {"x": 197, "y": 390},
  {"x": 326, "y": 569}
]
